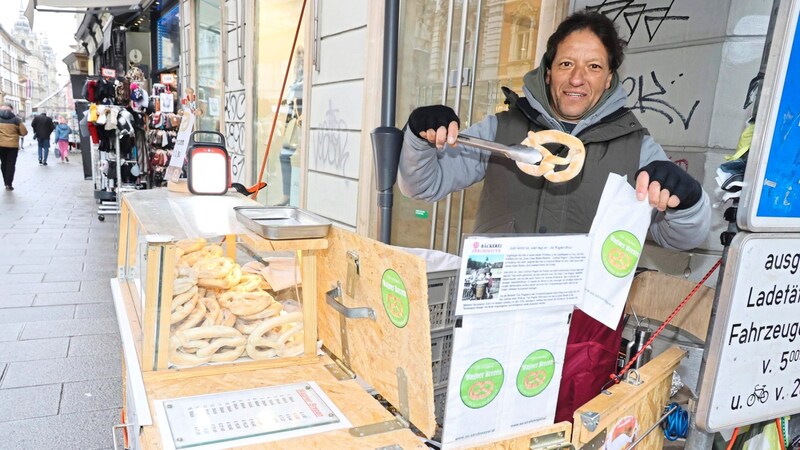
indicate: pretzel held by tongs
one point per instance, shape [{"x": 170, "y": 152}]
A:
[{"x": 574, "y": 159}]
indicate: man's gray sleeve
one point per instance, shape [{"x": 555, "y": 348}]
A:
[
  {"x": 427, "y": 174},
  {"x": 676, "y": 229}
]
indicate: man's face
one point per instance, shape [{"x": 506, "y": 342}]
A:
[{"x": 578, "y": 75}]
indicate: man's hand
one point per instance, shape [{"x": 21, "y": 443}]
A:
[
  {"x": 667, "y": 186},
  {"x": 436, "y": 124}
]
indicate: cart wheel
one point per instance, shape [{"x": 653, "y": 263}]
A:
[{"x": 101, "y": 217}]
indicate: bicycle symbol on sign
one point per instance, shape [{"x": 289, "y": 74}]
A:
[{"x": 760, "y": 393}]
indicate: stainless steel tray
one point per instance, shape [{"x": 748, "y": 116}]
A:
[{"x": 282, "y": 222}]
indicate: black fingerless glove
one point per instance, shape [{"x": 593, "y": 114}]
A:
[
  {"x": 431, "y": 117},
  {"x": 676, "y": 180}
]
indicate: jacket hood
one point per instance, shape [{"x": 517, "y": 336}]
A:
[
  {"x": 6, "y": 114},
  {"x": 537, "y": 92}
]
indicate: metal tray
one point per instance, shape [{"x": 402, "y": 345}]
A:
[{"x": 282, "y": 222}]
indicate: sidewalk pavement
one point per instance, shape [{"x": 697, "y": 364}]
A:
[{"x": 60, "y": 352}]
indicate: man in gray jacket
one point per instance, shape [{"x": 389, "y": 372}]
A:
[{"x": 576, "y": 89}]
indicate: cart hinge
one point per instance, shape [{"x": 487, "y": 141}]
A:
[
  {"x": 399, "y": 422},
  {"x": 597, "y": 442},
  {"x": 390, "y": 447},
  {"x": 552, "y": 441},
  {"x": 590, "y": 420},
  {"x": 339, "y": 369}
]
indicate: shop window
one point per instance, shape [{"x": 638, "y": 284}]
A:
[
  {"x": 168, "y": 39},
  {"x": 277, "y": 21},
  {"x": 209, "y": 63},
  {"x": 523, "y": 26}
]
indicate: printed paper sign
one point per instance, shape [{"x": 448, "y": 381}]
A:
[
  {"x": 504, "y": 273},
  {"x": 618, "y": 233},
  {"x": 181, "y": 146},
  {"x": 497, "y": 389}
]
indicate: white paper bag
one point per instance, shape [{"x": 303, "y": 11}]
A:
[{"x": 618, "y": 233}]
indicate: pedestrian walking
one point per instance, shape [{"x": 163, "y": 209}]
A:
[
  {"x": 11, "y": 130},
  {"x": 62, "y": 138},
  {"x": 43, "y": 127}
]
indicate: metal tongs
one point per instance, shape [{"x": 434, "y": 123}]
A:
[{"x": 521, "y": 153}]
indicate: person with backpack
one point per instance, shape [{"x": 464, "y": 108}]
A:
[
  {"x": 43, "y": 127},
  {"x": 11, "y": 130}
]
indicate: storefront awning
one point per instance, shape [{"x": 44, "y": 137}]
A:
[{"x": 83, "y": 5}]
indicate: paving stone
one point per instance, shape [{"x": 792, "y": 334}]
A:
[
  {"x": 73, "y": 260},
  {"x": 78, "y": 275},
  {"x": 72, "y": 245},
  {"x": 36, "y": 268},
  {"x": 61, "y": 370},
  {"x": 98, "y": 344},
  {"x": 5, "y": 268},
  {"x": 91, "y": 395},
  {"x": 70, "y": 298},
  {"x": 28, "y": 246},
  {"x": 16, "y": 300},
  {"x": 21, "y": 278},
  {"x": 85, "y": 430},
  {"x": 10, "y": 332},
  {"x": 94, "y": 310},
  {"x": 38, "y": 288},
  {"x": 37, "y": 313},
  {"x": 13, "y": 260},
  {"x": 67, "y": 252},
  {"x": 33, "y": 349},
  {"x": 72, "y": 327},
  {"x": 29, "y": 402}
]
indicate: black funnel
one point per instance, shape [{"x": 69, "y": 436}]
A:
[{"x": 386, "y": 145}]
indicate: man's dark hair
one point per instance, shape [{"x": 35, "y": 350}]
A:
[{"x": 597, "y": 23}]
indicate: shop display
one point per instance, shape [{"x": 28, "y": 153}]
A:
[{"x": 222, "y": 311}]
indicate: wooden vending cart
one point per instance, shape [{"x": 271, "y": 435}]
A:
[{"x": 365, "y": 301}]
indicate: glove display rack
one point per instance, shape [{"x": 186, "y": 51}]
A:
[
  {"x": 114, "y": 164},
  {"x": 190, "y": 276}
]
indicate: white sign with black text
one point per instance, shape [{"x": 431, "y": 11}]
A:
[{"x": 753, "y": 368}]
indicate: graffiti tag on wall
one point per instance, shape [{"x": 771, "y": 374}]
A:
[
  {"x": 650, "y": 95},
  {"x": 234, "y": 131},
  {"x": 330, "y": 143},
  {"x": 633, "y": 14}
]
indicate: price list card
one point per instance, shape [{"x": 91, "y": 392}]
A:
[{"x": 227, "y": 416}]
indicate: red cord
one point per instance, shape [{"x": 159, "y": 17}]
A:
[
  {"x": 280, "y": 99},
  {"x": 780, "y": 433},
  {"x": 733, "y": 438},
  {"x": 615, "y": 378}
]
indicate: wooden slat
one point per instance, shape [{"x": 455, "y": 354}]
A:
[
  {"x": 165, "y": 304},
  {"x": 358, "y": 406},
  {"x": 377, "y": 348},
  {"x": 148, "y": 361},
  {"x": 130, "y": 301},
  {"x": 308, "y": 263},
  {"x": 259, "y": 244},
  {"x": 646, "y": 402},
  {"x": 655, "y": 295},
  {"x": 123, "y": 246},
  {"x": 244, "y": 365}
]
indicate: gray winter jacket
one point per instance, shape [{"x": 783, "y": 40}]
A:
[{"x": 429, "y": 175}]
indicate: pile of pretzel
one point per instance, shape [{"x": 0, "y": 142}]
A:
[{"x": 222, "y": 311}]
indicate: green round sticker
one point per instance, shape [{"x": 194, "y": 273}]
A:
[
  {"x": 481, "y": 383},
  {"x": 395, "y": 299},
  {"x": 620, "y": 253},
  {"x": 535, "y": 373}
]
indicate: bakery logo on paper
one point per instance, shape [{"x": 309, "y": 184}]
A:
[
  {"x": 481, "y": 383},
  {"x": 485, "y": 247},
  {"x": 620, "y": 253},
  {"x": 395, "y": 298}
]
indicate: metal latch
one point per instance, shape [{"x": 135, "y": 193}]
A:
[
  {"x": 590, "y": 420},
  {"x": 551, "y": 441},
  {"x": 332, "y": 296},
  {"x": 353, "y": 272}
]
